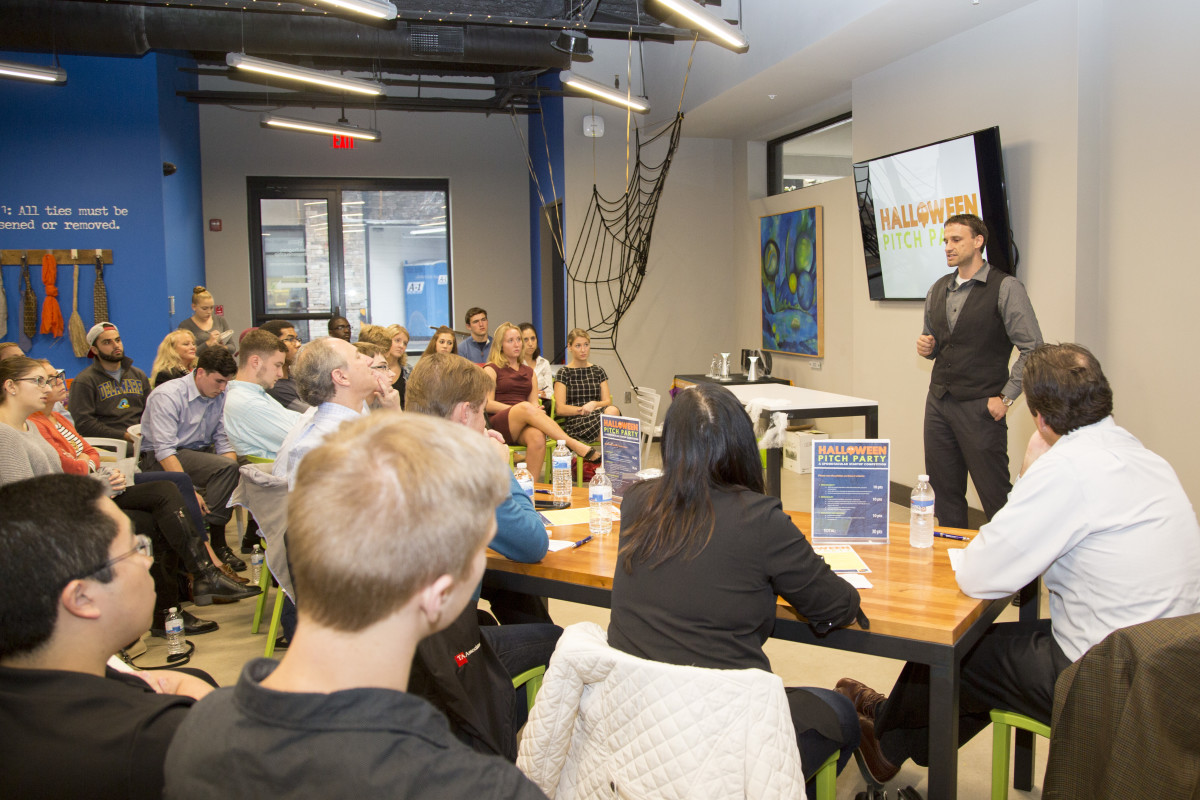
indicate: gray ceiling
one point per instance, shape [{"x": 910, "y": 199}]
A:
[{"x": 459, "y": 55}]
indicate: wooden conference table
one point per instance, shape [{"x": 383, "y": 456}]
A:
[
  {"x": 798, "y": 403},
  {"x": 916, "y": 610}
]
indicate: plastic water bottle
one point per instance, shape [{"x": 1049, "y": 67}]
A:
[
  {"x": 173, "y": 624},
  {"x": 525, "y": 479},
  {"x": 562, "y": 472},
  {"x": 256, "y": 564},
  {"x": 600, "y": 504},
  {"x": 920, "y": 526}
]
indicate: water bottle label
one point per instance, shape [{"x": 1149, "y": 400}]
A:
[
  {"x": 174, "y": 626},
  {"x": 600, "y": 494},
  {"x": 562, "y": 462},
  {"x": 922, "y": 505},
  {"x": 526, "y": 487}
]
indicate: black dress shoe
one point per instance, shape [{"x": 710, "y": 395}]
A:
[
  {"x": 192, "y": 625},
  {"x": 226, "y": 555},
  {"x": 212, "y": 585}
]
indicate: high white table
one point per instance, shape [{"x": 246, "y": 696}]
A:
[{"x": 800, "y": 403}]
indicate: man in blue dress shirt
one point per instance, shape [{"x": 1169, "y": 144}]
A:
[
  {"x": 183, "y": 430},
  {"x": 254, "y": 421}
]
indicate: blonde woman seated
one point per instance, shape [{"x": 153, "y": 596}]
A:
[
  {"x": 443, "y": 341},
  {"x": 513, "y": 403},
  {"x": 397, "y": 354},
  {"x": 176, "y": 357},
  {"x": 581, "y": 392},
  {"x": 210, "y": 330}
]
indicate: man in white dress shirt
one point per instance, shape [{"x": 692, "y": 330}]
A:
[{"x": 1106, "y": 524}]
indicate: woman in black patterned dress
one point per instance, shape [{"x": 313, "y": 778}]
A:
[{"x": 581, "y": 392}]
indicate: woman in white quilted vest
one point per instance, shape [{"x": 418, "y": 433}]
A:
[{"x": 703, "y": 556}]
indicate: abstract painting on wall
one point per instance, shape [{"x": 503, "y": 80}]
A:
[{"x": 792, "y": 280}]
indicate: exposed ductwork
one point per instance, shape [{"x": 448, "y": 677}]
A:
[{"x": 114, "y": 29}]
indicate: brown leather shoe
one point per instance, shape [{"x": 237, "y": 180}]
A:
[
  {"x": 866, "y": 700},
  {"x": 880, "y": 768},
  {"x": 229, "y": 573}
]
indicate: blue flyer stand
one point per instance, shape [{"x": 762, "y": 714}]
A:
[
  {"x": 850, "y": 491},
  {"x": 620, "y": 445}
]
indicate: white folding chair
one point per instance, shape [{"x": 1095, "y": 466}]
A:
[{"x": 648, "y": 401}]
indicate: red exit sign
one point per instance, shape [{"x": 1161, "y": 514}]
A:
[{"x": 343, "y": 142}]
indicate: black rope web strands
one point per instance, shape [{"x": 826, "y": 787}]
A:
[{"x": 608, "y": 262}]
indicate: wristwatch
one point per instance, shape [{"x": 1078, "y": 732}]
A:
[{"x": 1005, "y": 400}]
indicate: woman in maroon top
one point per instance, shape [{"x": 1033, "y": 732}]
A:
[{"x": 513, "y": 404}]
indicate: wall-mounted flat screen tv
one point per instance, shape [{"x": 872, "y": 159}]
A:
[{"x": 905, "y": 198}]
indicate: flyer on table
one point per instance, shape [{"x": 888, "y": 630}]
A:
[
  {"x": 850, "y": 480},
  {"x": 620, "y": 446}
]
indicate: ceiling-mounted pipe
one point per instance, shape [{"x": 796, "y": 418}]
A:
[{"x": 112, "y": 29}]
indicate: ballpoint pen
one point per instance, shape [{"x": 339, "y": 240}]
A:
[
  {"x": 581, "y": 542},
  {"x": 956, "y": 537}
]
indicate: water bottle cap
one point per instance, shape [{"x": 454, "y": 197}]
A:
[
  {"x": 923, "y": 478},
  {"x": 562, "y": 442},
  {"x": 599, "y": 471},
  {"x": 520, "y": 465},
  {"x": 172, "y": 609}
]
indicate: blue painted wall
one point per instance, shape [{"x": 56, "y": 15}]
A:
[
  {"x": 544, "y": 129},
  {"x": 98, "y": 142}
]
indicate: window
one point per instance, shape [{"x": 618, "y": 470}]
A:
[
  {"x": 373, "y": 251},
  {"x": 816, "y": 154}
]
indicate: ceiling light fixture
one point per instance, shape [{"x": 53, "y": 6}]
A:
[
  {"x": 705, "y": 22},
  {"x": 601, "y": 92},
  {"x": 326, "y": 128},
  {"x": 574, "y": 44},
  {"x": 372, "y": 8},
  {"x": 323, "y": 79},
  {"x": 32, "y": 72}
]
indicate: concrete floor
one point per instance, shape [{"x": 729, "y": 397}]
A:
[{"x": 224, "y": 652}]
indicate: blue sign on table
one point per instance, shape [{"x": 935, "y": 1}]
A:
[
  {"x": 620, "y": 444},
  {"x": 850, "y": 490}
]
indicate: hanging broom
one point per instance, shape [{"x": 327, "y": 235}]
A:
[{"x": 75, "y": 329}]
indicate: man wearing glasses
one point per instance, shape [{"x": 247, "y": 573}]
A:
[
  {"x": 479, "y": 345},
  {"x": 75, "y": 588},
  {"x": 284, "y": 389}
]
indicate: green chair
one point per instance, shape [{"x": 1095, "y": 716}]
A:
[
  {"x": 276, "y": 611},
  {"x": 531, "y": 679},
  {"x": 547, "y": 465},
  {"x": 825, "y": 778},
  {"x": 1002, "y": 721}
]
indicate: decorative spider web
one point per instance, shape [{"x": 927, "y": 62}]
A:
[{"x": 608, "y": 262}]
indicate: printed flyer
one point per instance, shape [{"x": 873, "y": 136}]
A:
[
  {"x": 620, "y": 445},
  {"x": 850, "y": 490}
]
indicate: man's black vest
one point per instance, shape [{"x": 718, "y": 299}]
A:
[{"x": 972, "y": 362}]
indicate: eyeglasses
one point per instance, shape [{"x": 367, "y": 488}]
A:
[
  {"x": 290, "y": 339},
  {"x": 142, "y": 546},
  {"x": 57, "y": 377},
  {"x": 41, "y": 380},
  {"x": 379, "y": 367}
]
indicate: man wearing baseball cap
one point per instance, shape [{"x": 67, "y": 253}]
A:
[{"x": 109, "y": 396}]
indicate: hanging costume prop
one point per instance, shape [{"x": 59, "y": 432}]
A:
[{"x": 52, "y": 318}]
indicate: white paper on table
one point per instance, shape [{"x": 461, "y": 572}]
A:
[
  {"x": 856, "y": 580},
  {"x": 560, "y": 544},
  {"x": 956, "y": 556}
]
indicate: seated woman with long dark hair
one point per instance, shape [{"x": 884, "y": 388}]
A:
[
  {"x": 443, "y": 341},
  {"x": 703, "y": 556}
]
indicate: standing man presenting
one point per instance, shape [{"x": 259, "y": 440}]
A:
[
  {"x": 974, "y": 317},
  {"x": 479, "y": 346}
]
